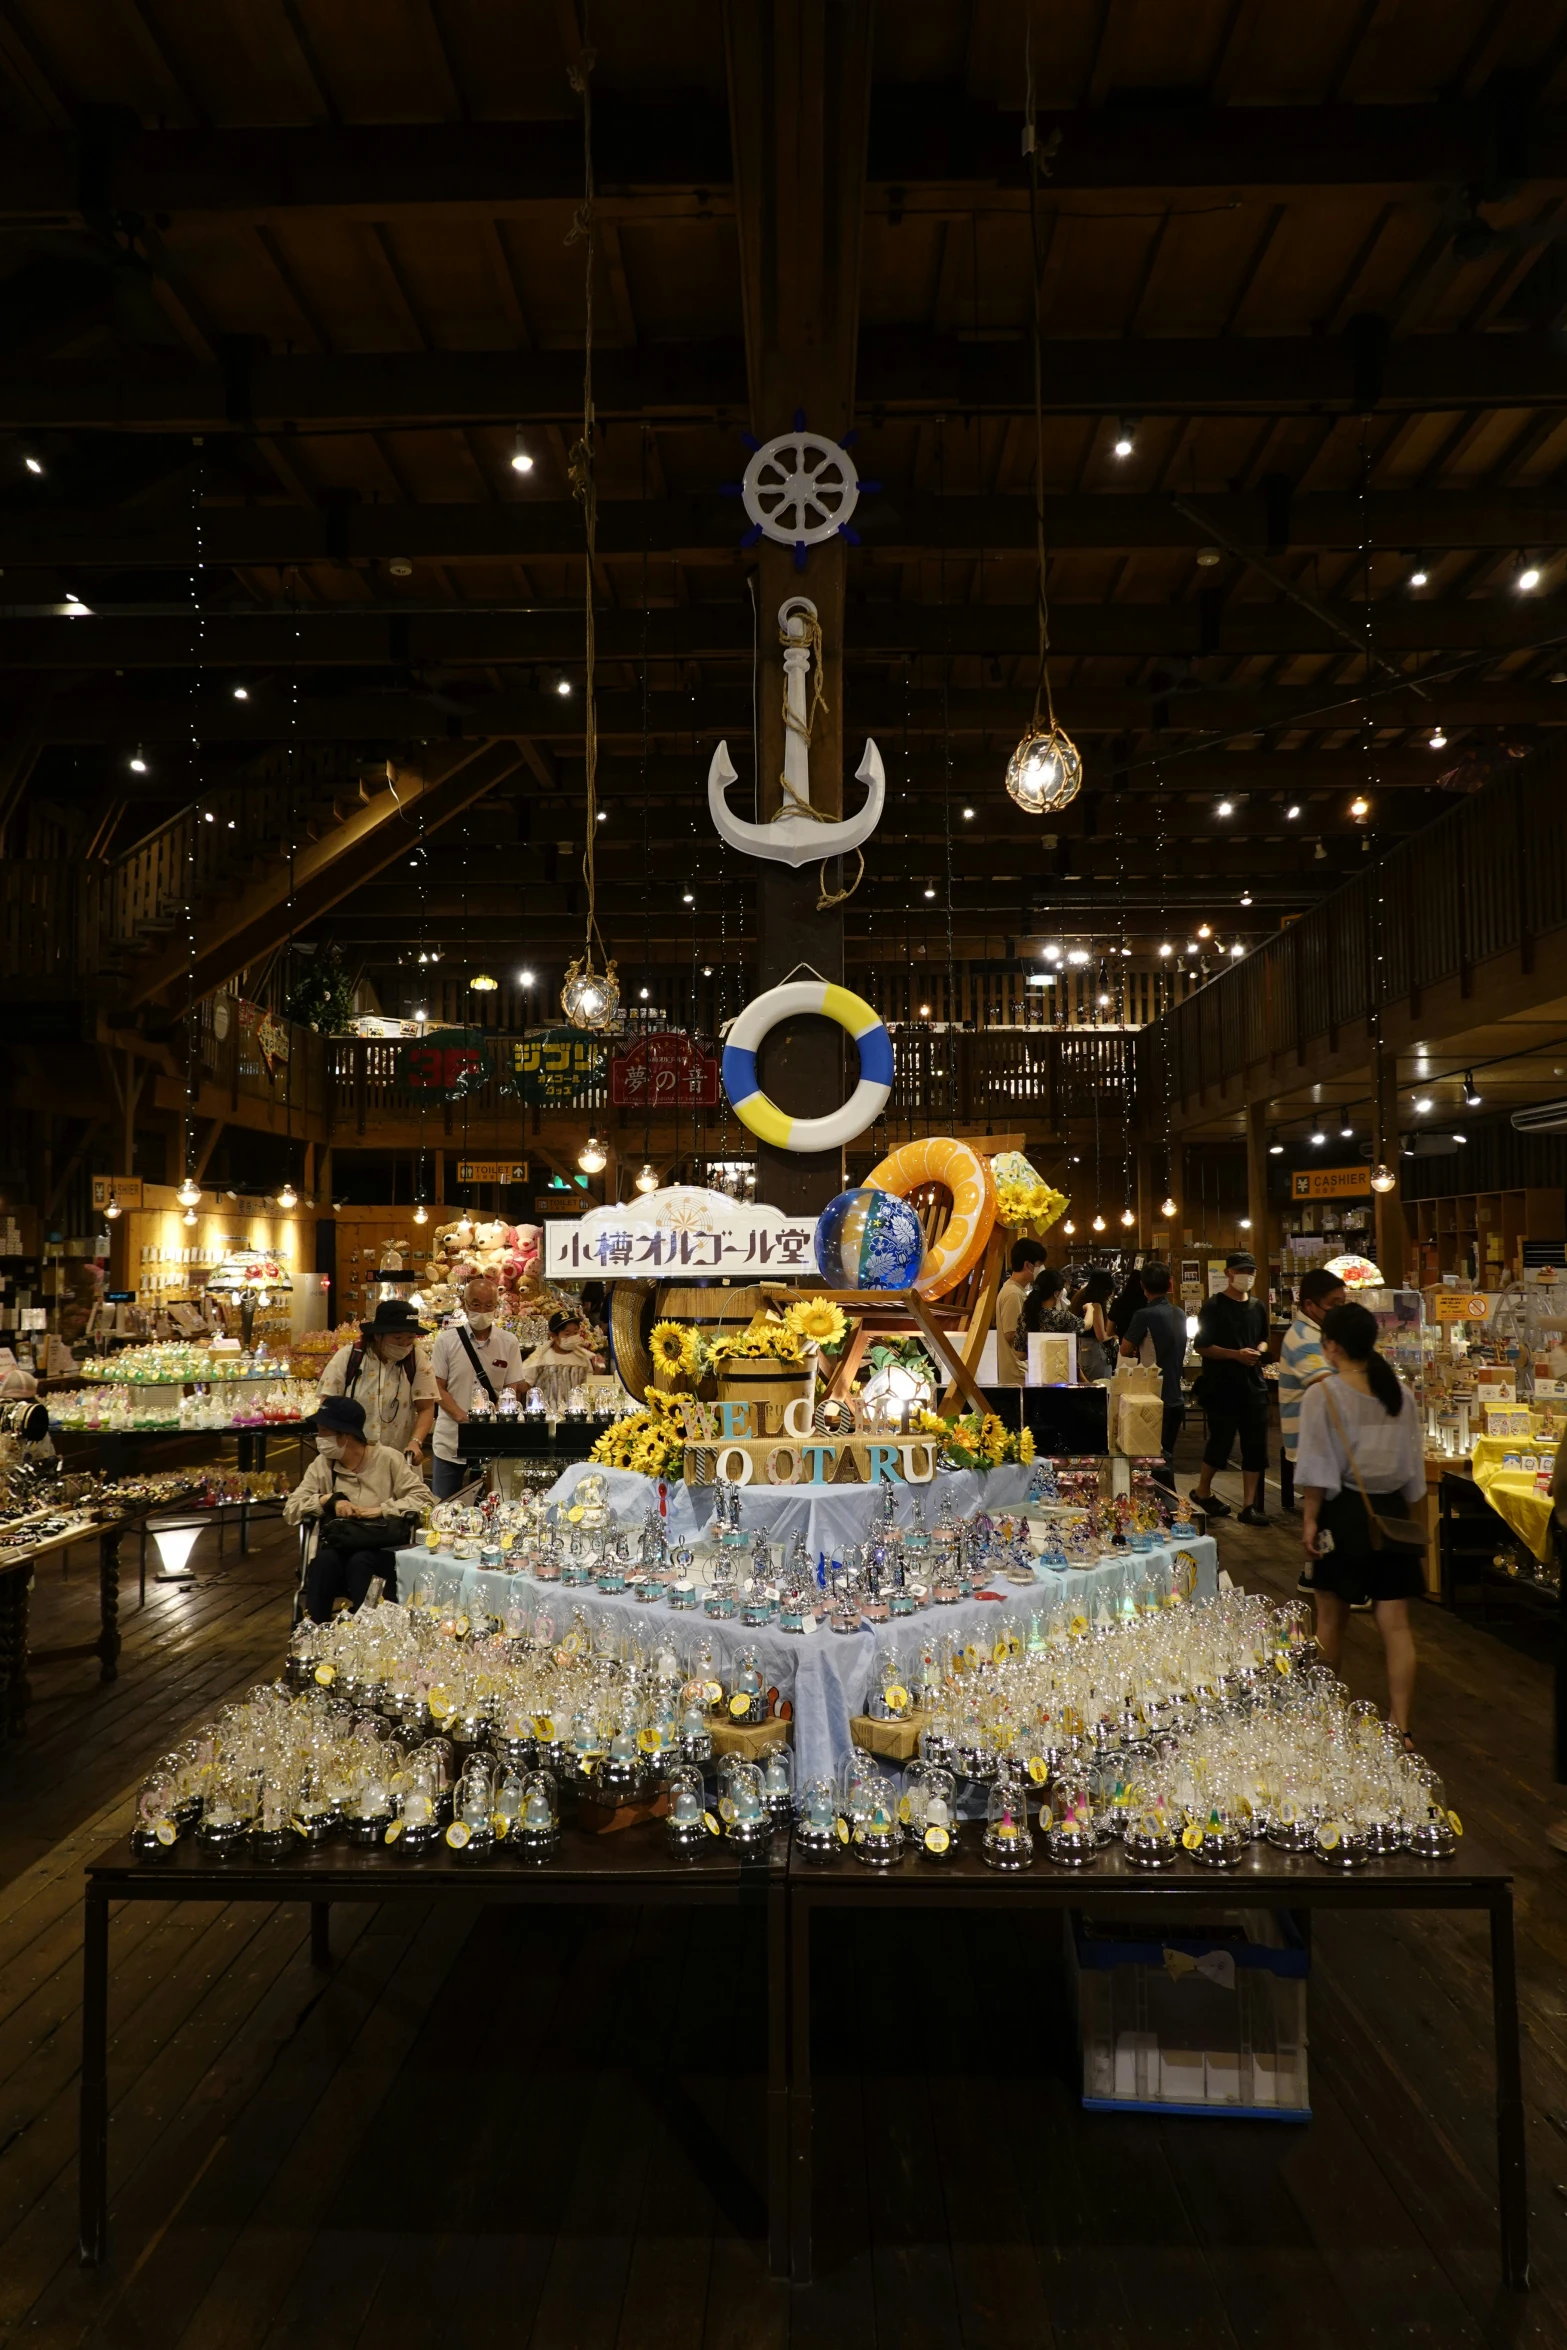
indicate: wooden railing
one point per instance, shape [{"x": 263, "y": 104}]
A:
[
  {"x": 1488, "y": 878},
  {"x": 942, "y": 1078}
]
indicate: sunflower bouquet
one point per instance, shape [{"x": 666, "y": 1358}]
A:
[
  {"x": 762, "y": 1341},
  {"x": 979, "y": 1440},
  {"x": 651, "y": 1442}
]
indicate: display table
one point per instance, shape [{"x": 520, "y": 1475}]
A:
[
  {"x": 632, "y": 1866},
  {"x": 16, "y": 1576},
  {"x": 1266, "y": 1878},
  {"x": 822, "y": 1675},
  {"x": 1512, "y": 1492}
]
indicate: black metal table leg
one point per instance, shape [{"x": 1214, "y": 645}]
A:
[
  {"x": 778, "y": 2078},
  {"x": 109, "y": 1602},
  {"x": 94, "y": 2154},
  {"x": 1511, "y": 2169},
  {"x": 321, "y": 1933},
  {"x": 800, "y": 2117}
]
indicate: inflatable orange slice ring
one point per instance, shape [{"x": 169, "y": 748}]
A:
[{"x": 967, "y": 1175}]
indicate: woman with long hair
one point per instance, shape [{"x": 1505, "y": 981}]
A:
[
  {"x": 1360, "y": 1463},
  {"x": 1096, "y": 1348}
]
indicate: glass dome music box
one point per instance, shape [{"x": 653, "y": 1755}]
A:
[
  {"x": 819, "y": 1832},
  {"x": 685, "y": 1826},
  {"x": 226, "y": 1813},
  {"x": 273, "y": 1837},
  {"x": 155, "y": 1832},
  {"x": 1007, "y": 1843},
  {"x": 743, "y": 1808},
  {"x": 472, "y": 1829},
  {"x": 933, "y": 1811},
  {"x": 777, "y": 1768},
  {"x": 536, "y": 1835},
  {"x": 1070, "y": 1839},
  {"x": 878, "y": 1836}
]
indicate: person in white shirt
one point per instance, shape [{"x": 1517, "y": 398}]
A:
[
  {"x": 1362, "y": 1429},
  {"x": 463, "y": 1357}
]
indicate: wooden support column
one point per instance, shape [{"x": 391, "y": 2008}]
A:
[
  {"x": 799, "y": 96},
  {"x": 1387, "y": 1206},
  {"x": 1257, "y": 1187}
]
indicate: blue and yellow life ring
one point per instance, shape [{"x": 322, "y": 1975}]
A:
[{"x": 863, "y": 1107}]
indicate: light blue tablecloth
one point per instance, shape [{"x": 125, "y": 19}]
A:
[
  {"x": 824, "y": 1675},
  {"x": 829, "y": 1516}
]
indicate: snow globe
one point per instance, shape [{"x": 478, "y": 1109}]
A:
[
  {"x": 933, "y": 1813},
  {"x": 1070, "y": 1838},
  {"x": 743, "y": 1809},
  {"x": 472, "y": 1830},
  {"x": 878, "y": 1836}
]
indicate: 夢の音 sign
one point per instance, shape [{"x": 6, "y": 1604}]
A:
[
  {"x": 670, "y": 1071},
  {"x": 680, "y": 1230}
]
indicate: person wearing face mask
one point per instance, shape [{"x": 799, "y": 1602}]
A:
[
  {"x": 1232, "y": 1331},
  {"x": 389, "y": 1373},
  {"x": 468, "y": 1357},
  {"x": 367, "y": 1499}
]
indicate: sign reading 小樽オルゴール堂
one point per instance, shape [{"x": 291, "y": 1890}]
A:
[{"x": 680, "y": 1230}]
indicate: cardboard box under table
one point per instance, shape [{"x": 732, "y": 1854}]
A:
[{"x": 1201, "y": 2020}]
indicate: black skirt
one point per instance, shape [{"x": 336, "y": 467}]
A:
[{"x": 1352, "y": 1569}]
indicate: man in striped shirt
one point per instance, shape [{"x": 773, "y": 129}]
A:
[{"x": 1301, "y": 1364}]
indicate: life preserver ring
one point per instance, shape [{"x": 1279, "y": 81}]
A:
[
  {"x": 863, "y": 1107},
  {"x": 967, "y": 1175}
]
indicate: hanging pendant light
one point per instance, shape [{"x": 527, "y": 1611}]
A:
[
  {"x": 647, "y": 1180},
  {"x": 1099, "y": 1223},
  {"x": 189, "y": 1193},
  {"x": 420, "y": 1216},
  {"x": 1045, "y": 772},
  {"x": 112, "y": 1208},
  {"x": 189, "y": 1216},
  {"x": 593, "y": 1158},
  {"x": 590, "y": 997},
  {"x": 288, "y": 1197},
  {"x": 1383, "y": 1178},
  {"x": 1128, "y": 1218},
  {"x": 1167, "y": 1207}
]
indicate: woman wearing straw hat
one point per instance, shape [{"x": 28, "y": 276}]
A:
[{"x": 389, "y": 1373}]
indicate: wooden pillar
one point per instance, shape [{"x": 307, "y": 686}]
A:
[
  {"x": 1388, "y": 1208},
  {"x": 1257, "y": 1187},
  {"x": 799, "y": 97},
  {"x": 1148, "y": 1217}
]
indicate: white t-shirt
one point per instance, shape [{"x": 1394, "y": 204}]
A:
[
  {"x": 501, "y": 1356},
  {"x": 1390, "y": 1454}
]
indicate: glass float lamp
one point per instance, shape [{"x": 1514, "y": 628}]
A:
[
  {"x": 589, "y": 998},
  {"x": 1045, "y": 772}
]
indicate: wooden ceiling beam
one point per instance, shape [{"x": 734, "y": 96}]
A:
[
  {"x": 897, "y": 523},
  {"x": 929, "y": 146},
  {"x": 900, "y": 372},
  {"x": 1222, "y": 711},
  {"x": 476, "y": 637}
]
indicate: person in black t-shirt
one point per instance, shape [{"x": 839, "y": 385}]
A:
[{"x": 1232, "y": 1330}]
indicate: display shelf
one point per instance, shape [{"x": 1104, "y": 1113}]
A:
[{"x": 1479, "y": 1235}]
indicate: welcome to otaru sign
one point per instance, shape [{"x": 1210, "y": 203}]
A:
[{"x": 720, "y": 1444}]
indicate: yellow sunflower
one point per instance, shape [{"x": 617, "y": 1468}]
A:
[
  {"x": 819, "y": 1320},
  {"x": 675, "y": 1351}
]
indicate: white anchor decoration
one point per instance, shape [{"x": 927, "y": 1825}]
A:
[{"x": 796, "y": 836}]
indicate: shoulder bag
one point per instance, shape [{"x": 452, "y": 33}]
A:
[
  {"x": 479, "y": 1371},
  {"x": 1382, "y": 1533}
]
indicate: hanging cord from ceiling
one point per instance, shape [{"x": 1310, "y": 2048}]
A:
[{"x": 584, "y": 487}]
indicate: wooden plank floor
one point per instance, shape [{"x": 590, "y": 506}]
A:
[{"x": 549, "y": 2133}]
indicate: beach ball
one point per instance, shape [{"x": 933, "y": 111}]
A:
[{"x": 869, "y": 1240}]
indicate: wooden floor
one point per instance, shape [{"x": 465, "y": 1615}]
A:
[{"x": 481, "y": 2128}]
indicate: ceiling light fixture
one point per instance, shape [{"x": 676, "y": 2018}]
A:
[
  {"x": 592, "y": 1158},
  {"x": 1316, "y": 1136},
  {"x": 1128, "y": 1218},
  {"x": 1346, "y": 1131},
  {"x": 1226, "y": 808},
  {"x": 1359, "y": 806},
  {"x": 1383, "y": 1178},
  {"x": 1528, "y": 579},
  {"x": 241, "y": 693},
  {"x": 1167, "y": 1207},
  {"x": 968, "y": 815},
  {"x": 1236, "y": 949},
  {"x": 1437, "y": 739},
  {"x": 1422, "y": 1102},
  {"x": 1471, "y": 1097},
  {"x": 563, "y": 686},
  {"x": 1099, "y": 1223},
  {"x": 32, "y": 465},
  {"x": 647, "y": 1180},
  {"x": 1126, "y": 439},
  {"x": 1069, "y": 1228},
  {"x": 525, "y": 979},
  {"x": 420, "y": 1216},
  {"x": 1275, "y": 1148},
  {"x": 930, "y": 893},
  {"x": 1165, "y": 947},
  {"x": 1419, "y": 576},
  {"x": 288, "y": 1197},
  {"x": 189, "y": 1216},
  {"x": 484, "y": 982},
  {"x": 111, "y": 1207},
  {"x": 138, "y": 762},
  {"x": 1204, "y": 930},
  {"x": 521, "y": 462},
  {"x": 189, "y": 1193},
  {"x": 1292, "y": 811}
]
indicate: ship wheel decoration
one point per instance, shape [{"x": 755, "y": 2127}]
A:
[{"x": 800, "y": 489}]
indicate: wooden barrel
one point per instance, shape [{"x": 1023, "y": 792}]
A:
[
  {"x": 636, "y": 1305},
  {"x": 765, "y": 1381}
]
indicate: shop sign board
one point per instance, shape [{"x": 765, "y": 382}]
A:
[
  {"x": 680, "y": 1230},
  {"x": 1461, "y": 1305},
  {"x": 666, "y": 1072},
  {"x": 554, "y": 1066},
  {"x": 444, "y": 1064},
  {"x": 1330, "y": 1183},
  {"x": 492, "y": 1170},
  {"x": 127, "y": 1190}
]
